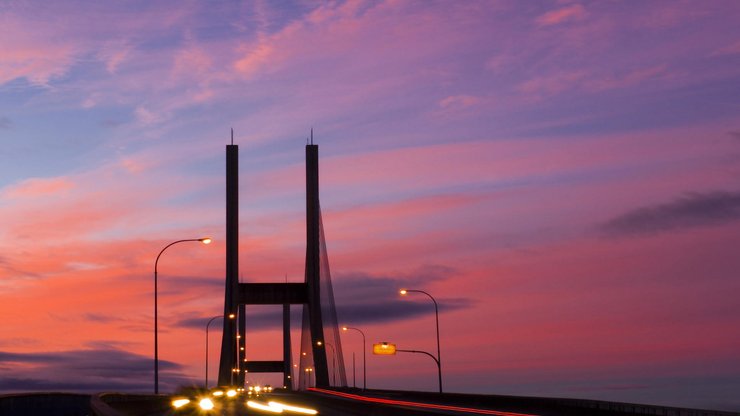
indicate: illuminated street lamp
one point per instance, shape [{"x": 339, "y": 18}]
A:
[
  {"x": 364, "y": 367},
  {"x": 309, "y": 370},
  {"x": 231, "y": 316},
  {"x": 205, "y": 240},
  {"x": 438, "y": 360},
  {"x": 387, "y": 348}
]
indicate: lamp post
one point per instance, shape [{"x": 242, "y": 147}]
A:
[
  {"x": 439, "y": 368},
  {"x": 364, "y": 367},
  {"x": 388, "y": 348},
  {"x": 231, "y": 316},
  {"x": 309, "y": 370},
  {"x": 205, "y": 240},
  {"x": 403, "y": 292}
]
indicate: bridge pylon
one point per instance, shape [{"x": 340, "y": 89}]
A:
[{"x": 234, "y": 362}]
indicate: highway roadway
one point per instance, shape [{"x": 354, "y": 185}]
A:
[
  {"x": 373, "y": 403},
  {"x": 334, "y": 403}
]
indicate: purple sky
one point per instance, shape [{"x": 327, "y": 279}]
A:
[{"x": 563, "y": 176}]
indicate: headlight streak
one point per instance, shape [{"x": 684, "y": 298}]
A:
[
  {"x": 421, "y": 405},
  {"x": 264, "y": 407},
  {"x": 294, "y": 409},
  {"x": 178, "y": 403}
]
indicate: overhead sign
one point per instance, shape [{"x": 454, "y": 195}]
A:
[{"x": 384, "y": 348}]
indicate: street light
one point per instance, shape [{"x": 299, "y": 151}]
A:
[
  {"x": 204, "y": 240},
  {"x": 364, "y": 367},
  {"x": 309, "y": 370},
  {"x": 403, "y": 292},
  {"x": 231, "y": 316},
  {"x": 388, "y": 348}
]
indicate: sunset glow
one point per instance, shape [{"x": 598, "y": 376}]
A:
[{"x": 562, "y": 176}]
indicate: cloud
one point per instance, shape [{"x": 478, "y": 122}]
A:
[
  {"x": 32, "y": 54},
  {"x": 255, "y": 57},
  {"x": 5, "y": 123},
  {"x": 555, "y": 17},
  {"x": 88, "y": 370},
  {"x": 553, "y": 83},
  {"x": 630, "y": 78},
  {"x": 362, "y": 298},
  {"x": 147, "y": 116},
  {"x": 690, "y": 210},
  {"x": 732, "y": 49},
  {"x": 114, "y": 54},
  {"x": 36, "y": 187},
  {"x": 100, "y": 317},
  {"x": 459, "y": 101},
  {"x": 734, "y": 134}
]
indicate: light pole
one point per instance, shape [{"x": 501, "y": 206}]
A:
[
  {"x": 205, "y": 240},
  {"x": 231, "y": 316},
  {"x": 309, "y": 370},
  {"x": 439, "y": 368},
  {"x": 403, "y": 292},
  {"x": 364, "y": 367}
]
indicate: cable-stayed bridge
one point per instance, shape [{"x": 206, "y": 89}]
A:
[
  {"x": 320, "y": 328},
  {"x": 322, "y": 383}
]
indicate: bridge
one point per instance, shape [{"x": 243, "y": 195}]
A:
[
  {"x": 319, "y": 327},
  {"x": 329, "y": 403},
  {"x": 315, "y": 392}
]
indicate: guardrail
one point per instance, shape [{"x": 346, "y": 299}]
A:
[
  {"x": 23, "y": 404},
  {"x": 579, "y": 406},
  {"x": 640, "y": 409},
  {"x": 107, "y": 404}
]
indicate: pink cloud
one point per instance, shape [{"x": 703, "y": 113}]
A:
[
  {"x": 564, "y": 14},
  {"x": 634, "y": 77},
  {"x": 552, "y": 84},
  {"x": 34, "y": 55},
  {"x": 459, "y": 101},
  {"x": 731, "y": 49},
  {"x": 115, "y": 54},
  {"x": 255, "y": 58},
  {"x": 545, "y": 86},
  {"x": 38, "y": 187}
]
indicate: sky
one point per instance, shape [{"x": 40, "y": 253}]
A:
[{"x": 563, "y": 177}]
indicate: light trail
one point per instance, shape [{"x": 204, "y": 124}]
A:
[
  {"x": 418, "y": 404},
  {"x": 264, "y": 407},
  {"x": 291, "y": 408},
  {"x": 178, "y": 403}
]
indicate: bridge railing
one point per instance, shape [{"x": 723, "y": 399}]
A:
[
  {"x": 578, "y": 406},
  {"x": 108, "y": 404}
]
